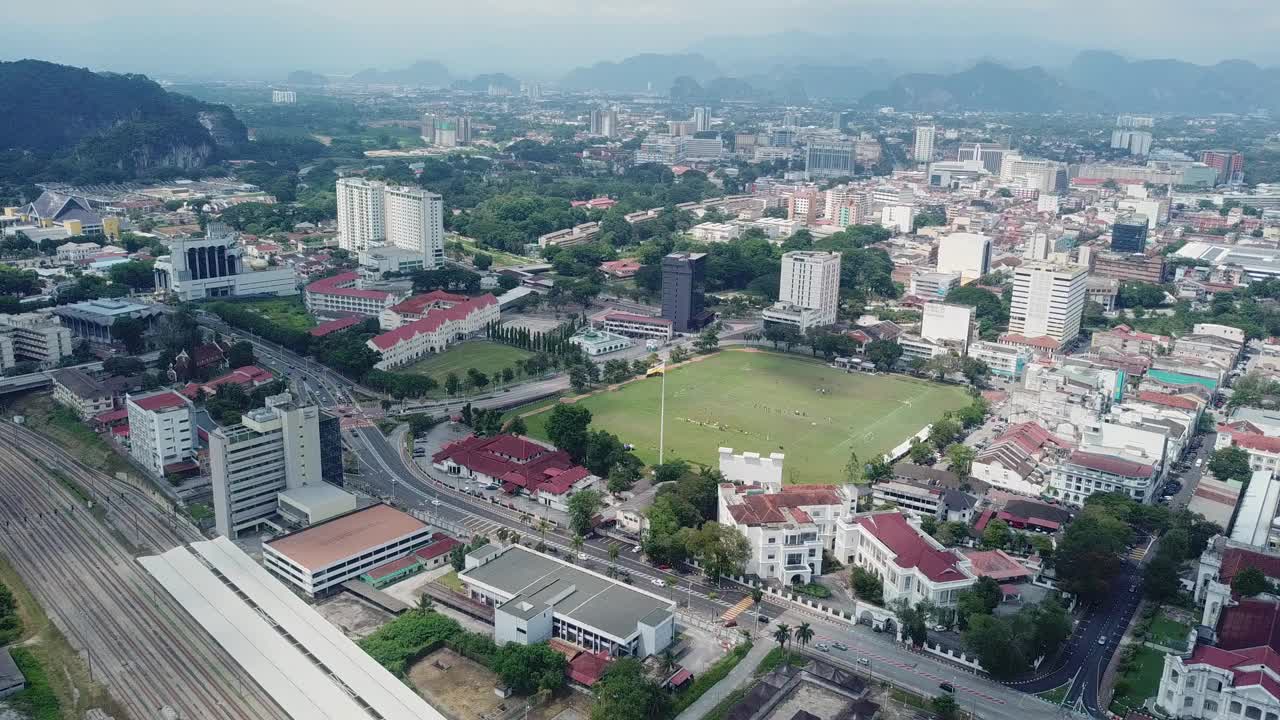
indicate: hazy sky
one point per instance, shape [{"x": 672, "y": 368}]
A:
[{"x": 546, "y": 37}]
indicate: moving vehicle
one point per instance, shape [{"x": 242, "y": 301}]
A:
[
  {"x": 1102, "y": 640},
  {"x": 636, "y": 549},
  {"x": 863, "y": 661},
  {"x": 822, "y": 647},
  {"x": 840, "y": 646},
  {"x": 659, "y": 583},
  {"x": 947, "y": 687}
]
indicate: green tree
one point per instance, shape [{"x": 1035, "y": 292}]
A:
[
  {"x": 567, "y": 428},
  {"x": 853, "y": 468},
  {"x": 944, "y": 432},
  {"x": 960, "y": 458},
  {"x": 721, "y": 549},
  {"x": 241, "y": 354},
  {"x": 945, "y": 707},
  {"x": 782, "y": 635},
  {"x": 583, "y": 506},
  {"x": 920, "y": 452},
  {"x": 516, "y": 426},
  {"x": 130, "y": 332},
  {"x": 883, "y": 354},
  {"x": 804, "y": 634},
  {"x": 482, "y": 261},
  {"x": 625, "y": 692},
  {"x": 1088, "y": 556},
  {"x": 993, "y": 641},
  {"x": 530, "y": 668},
  {"x": 996, "y": 534},
  {"x": 1249, "y": 582},
  {"x": 866, "y": 586},
  {"x": 980, "y": 599},
  {"x": 452, "y": 383},
  {"x": 878, "y": 470},
  {"x": 708, "y": 341},
  {"x": 1230, "y": 463},
  {"x": 1161, "y": 578}
]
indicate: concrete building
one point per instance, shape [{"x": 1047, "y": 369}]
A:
[
  {"x": 213, "y": 266},
  {"x": 1082, "y": 474},
  {"x": 415, "y": 222},
  {"x": 361, "y": 213},
  {"x": 711, "y": 232},
  {"x": 599, "y": 342},
  {"x": 1129, "y": 234},
  {"x": 1103, "y": 290},
  {"x": 922, "y": 152},
  {"x": 1019, "y": 460},
  {"x": 603, "y": 122},
  {"x": 701, "y": 119},
  {"x": 933, "y": 285},
  {"x": 1128, "y": 266},
  {"x": 683, "y": 291},
  {"x": 1003, "y": 360},
  {"x": 36, "y": 337},
  {"x": 77, "y": 390},
  {"x": 385, "y": 259},
  {"x": 318, "y": 559},
  {"x": 953, "y": 326},
  {"x": 92, "y": 319},
  {"x": 1256, "y": 521},
  {"x": 274, "y": 448},
  {"x": 517, "y": 465},
  {"x": 161, "y": 433},
  {"x": 341, "y": 294},
  {"x": 808, "y": 291},
  {"x": 911, "y": 565},
  {"x": 537, "y": 597},
  {"x": 641, "y": 326},
  {"x": 991, "y": 155},
  {"x": 898, "y": 218},
  {"x": 1048, "y": 300},
  {"x": 787, "y": 528},
  {"x": 965, "y": 254},
  {"x": 444, "y": 321},
  {"x": 829, "y": 159},
  {"x": 1228, "y": 164}
]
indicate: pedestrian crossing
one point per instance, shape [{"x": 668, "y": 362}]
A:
[
  {"x": 742, "y": 606},
  {"x": 482, "y": 526}
]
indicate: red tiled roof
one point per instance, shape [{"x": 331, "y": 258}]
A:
[
  {"x": 628, "y": 317},
  {"x": 1173, "y": 401},
  {"x": 432, "y": 321},
  {"x": 1042, "y": 341},
  {"x": 440, "y": 544},
  {"x": 1236, "y": 559},
  {"x": 983, "y": 519},
  {"x": 1111, "y": 464},
  {"x": 334, "y": 326},
  {"x": 784, "y": 506},
  {"x": 515, "y": 462},
  {"x": 1250, "y": 624},
  {"x": 111, "y": 416},
  {"x": 392, "y": 567},
  {"x": 336, "y": 285},
  {"x": 587, "y": 668},
  {"x": 417, "y": 303},
  {"x": 1250, "y": 440},
  {"x": 996, "y": 564},
  {"x": 1125, "y": 331},
  {"x": 160, "y": 401},
  {"x": 911, "y": 550}
]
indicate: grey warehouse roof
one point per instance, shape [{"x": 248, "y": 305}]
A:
[{"x": 588, "y": 599}]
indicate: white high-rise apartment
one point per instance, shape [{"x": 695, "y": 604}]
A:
[
  {"x": 274, "y": 448},
  {"x": 701, "y": 119},
  {"x": 1048, "y": 301},
  {"x": 361, "y": 213},
  {"x": 372, "y": 213},
  {"x": 415, "y": 221},
  {"x": 161, "y": 432},
  {"x": 966, "y": 254},
  {"x": 924, "y": 143},
  {"x": 811, "y": 280}
]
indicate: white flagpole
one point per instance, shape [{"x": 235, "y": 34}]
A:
[{"x": 662, "y": 415}]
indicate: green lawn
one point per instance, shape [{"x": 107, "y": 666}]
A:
[
  {"x": 1139, "y": 681},
  {"x": 768, "y": 402},
  {"x": 451, "y": 581},
  {"x": 501, "y": 258},
  {"x": 284, "y": 311},
  {"x": 1056, "y": 695},
  {"x": 485, "y": 356},
  {"x": 1169, "y": 633}
]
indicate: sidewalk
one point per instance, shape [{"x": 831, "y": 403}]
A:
[{"x": 737, "y": 677}]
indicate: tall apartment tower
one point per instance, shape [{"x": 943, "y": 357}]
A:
[
  {"x": 1129, "y": 234},
  {"x": 415, "y": 221},
  {"x": 966, "y": 254},
  {"x": 273, "y": 449},
  {"x": 361, "y": 213},
  {"x": 604, "y": 123},
  {"x": 811, "y": 280},
  {"x": 1048, "y": 301},
  {"x": 463, "y": 125},
  {"x": 701, "y": 119},
  {"x": 683, "y": 291},
  {"x": 429, "y": 128},
  {"x": 924, "y": 143}
]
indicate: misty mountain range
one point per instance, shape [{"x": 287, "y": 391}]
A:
[{"x": 1092, "y": 81}]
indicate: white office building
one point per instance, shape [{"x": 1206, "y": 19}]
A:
[
  {"x": 415, "y": 221},
  {"x": 361, "y": 213},
  {"x": 213, "y": 266},
  {"x": 161, "y": 432},
  {"x": 932, "y": 285},
  {"x": 34, "y": 337},
  {"x": 899, "y": 218},
  {"x": 966, "y": 254},
  {"x": 284, "y": 97},
  {"x": 911, "y": 565},
  {"x": 923, "y": 151},
  {"x": 1048, "y": 301},
  {"x": 953, "y": 326},
  {"x": 274, "y": 448},
  {"x": 809, "y": 290}
]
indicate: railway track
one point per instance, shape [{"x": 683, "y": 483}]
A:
[{"x": 139, "y": 643}]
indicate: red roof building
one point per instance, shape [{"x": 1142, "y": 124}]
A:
[
  {"x": 518, "y": 465},
  {"x": 341, "y": 294},
  {"x": 913, "y": 566},
  {"x": 333, "y": 326},
  {"x": 429, "y": 324},
  {"x": 247, "y": 378}
]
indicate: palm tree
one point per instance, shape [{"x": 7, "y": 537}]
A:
[
  {"x": 757, "y": 595},
  {"x": 577, "y": 543},
  {"x": 804, "y": 634},
  {"x": 613, "y": 555},
  {"x": 543, "y": 526},
  {"x": 502, "y": 535},
  {"x": 781, "y": 635},
  {"x": 668, "y": 663}
]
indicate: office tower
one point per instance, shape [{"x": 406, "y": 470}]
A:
[
  {"x": 1031, "y": 173},
  {"x": 161, "y": 432},
  {"x": 1129, "y": 234},
  {"x": 273, "y": 449},
  {"x": 990, "y": 154},
  {"x": 428, "y": 132},
  {"x": 1038, "y": 247},
  {"x": 782, "y": 137},
  {"x": 789, "y": 120},
  {"x": 837, "y": 120},
  {"x": 1048, "y": 301},
  {"x": 829, "y": 158},
  {"x": 284, "y": 97},
  {"x": 811, "y": 280},
  {"x": 701, "y": 119},
  {"x": 463, "y": 125},
  {"x": 924, "y": 143},
  {"x": 1228, "y": 163},
  {"x": 683, "y": 291},
  {"x": 415, "y": 221},
  {"x": 803, "y": 205},
  {"x": 361, "y": 213},
  {"x": 966, "y": 254}
]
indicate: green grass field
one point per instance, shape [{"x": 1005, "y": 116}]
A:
[
  {"x": 1140, "y": 681},
  {"x": 487, "y": 357},
  {"x": 501, "y": 258},
  {"x": 766, "y": 402},
  {"x": 284, "y": 311}
]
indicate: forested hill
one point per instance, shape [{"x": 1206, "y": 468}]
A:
[{"x": 105, "y": 126}]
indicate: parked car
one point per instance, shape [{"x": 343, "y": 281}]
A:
[
  {"x": 636, "y": 549},
  {"x": 659, "y": 583},
  {"x": 1102, "y": 640},
  {"x": 863, "y": 661}
]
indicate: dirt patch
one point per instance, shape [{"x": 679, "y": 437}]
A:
[
  {"x": 463, "y": 690},
  {"x": 355, "y": 618}
]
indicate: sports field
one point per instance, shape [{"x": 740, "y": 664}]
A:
[
  {"x": 765, "y": 402},
  {"x": 487, "y": 357}
]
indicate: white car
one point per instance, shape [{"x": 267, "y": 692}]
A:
[
  {"x": 435, "y": 502},
  {"x": 583, "y": 556},
  {"x": 659, "y": 583},
  {"x": 636, "y": 549}
]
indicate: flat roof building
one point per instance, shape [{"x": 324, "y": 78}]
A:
[
  {"x": 324, "y": 556},
  {"x": 683, "y": 291},
  {"x": 92, "y": 319},
  {"x": 537, "y": 597}
]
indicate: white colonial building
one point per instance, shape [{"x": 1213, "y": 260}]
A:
[
  {"x": 911, "y": 564},
  {"x": 441, "y": 321}
]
